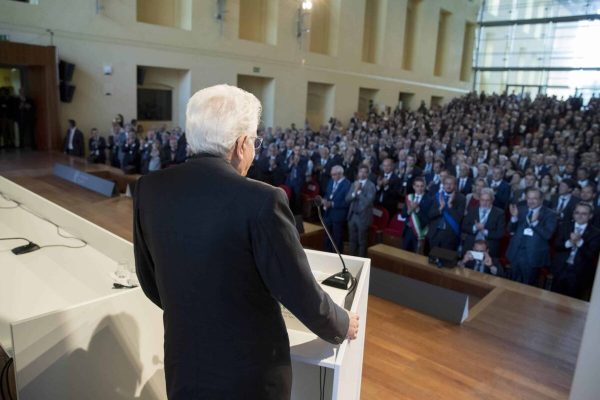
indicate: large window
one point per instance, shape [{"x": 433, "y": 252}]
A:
[{"x": 539, "y": 46}]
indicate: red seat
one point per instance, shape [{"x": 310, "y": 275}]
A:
[
  {"x": 287, "y": 190},
  {"x": 381, "y": 217},
  {"x": 395, "y": 226},
  {"x": 310, "y": 190}
]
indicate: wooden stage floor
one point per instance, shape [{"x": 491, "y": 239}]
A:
[{"x": 521, "y": 344}]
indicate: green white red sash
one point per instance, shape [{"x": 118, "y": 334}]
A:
[{"x": 414, "y": 222}]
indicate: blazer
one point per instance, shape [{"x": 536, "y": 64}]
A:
[
  {"x": 488, "y": 270},
  {"x": 586, "y": 257},
  {"x": 457, "y": 211},
  {"x": 567, "y": 212},
  {"x": 339, "y": 211},
  {"x": 78, "y": 149},
  {"x": 495, "y": 226},
  {"x": 388, "y": 196},
  {"x": 468, "y": 185},
  {"x": 422, "y": 212},
  {"x": 361, "y": 205},
  {"x": 533, "y": 250},
  {"x": 219, "y": 263},
  {"x": 502, "y": 194}
]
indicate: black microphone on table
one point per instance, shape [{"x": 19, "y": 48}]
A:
[{"x": 344, "y": 279}]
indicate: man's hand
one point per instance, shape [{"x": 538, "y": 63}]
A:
[
  {"x": 352, "y": 326},
  {"x": 479, "y": 226}
]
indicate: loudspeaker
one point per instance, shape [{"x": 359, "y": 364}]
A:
[
  {"x": 141, "y": 72},
  {"x": 65, "y": 71},
  {"x": 66, "y": 92}
]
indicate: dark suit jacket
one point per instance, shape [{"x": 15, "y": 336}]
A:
[
  {"x": 457, "y": 211},
  {"x": 388, "y": 196},
  {"x": 422, "y": 213},
  {"x": 495, "y": 226},
  {"x": 468, "y": 186},
  {"x": 218, "y": 264},
  {"x": 488, "y": 270},
  {"x": 97, "y": 150},
  {"x": 567, "y": 212},
  {"x": 534, "y": 250},
  {"x": 339, "y": 211},
  {"x": 502, "y": 194},
  {"x": 324, "y": 174},
  {"x": 586, "y": 257},
  {"x": 77, "y": 144}
]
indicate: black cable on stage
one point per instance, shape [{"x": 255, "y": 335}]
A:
[{"x": 58, "y": 228}]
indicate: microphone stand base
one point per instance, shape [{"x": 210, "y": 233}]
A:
[{"x": 341, "y": 280}]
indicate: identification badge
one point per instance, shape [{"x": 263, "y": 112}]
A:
[{"x": 528, "y": 232}]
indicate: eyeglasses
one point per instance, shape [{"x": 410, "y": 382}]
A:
[{"x": 257, "y": 141}]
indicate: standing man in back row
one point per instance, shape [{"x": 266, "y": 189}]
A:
[
  {"x": 223, "y": 258},
  {"x": 360, "y": 197},
  {"x": 531, "y": 227}
]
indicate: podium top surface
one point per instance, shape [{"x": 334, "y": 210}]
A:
[{"x": 48, "y": 279}]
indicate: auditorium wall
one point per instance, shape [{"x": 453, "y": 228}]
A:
[{"x": 107, "y": 33}]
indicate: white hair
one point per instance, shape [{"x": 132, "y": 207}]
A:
[
  {"x": 337, "y": 168},
  {"x": 217, "y": 116}
]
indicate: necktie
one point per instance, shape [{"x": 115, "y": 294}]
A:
[
  {"x": 561, "y": 204},
  {"x": 417, "y": 199},
  {"x": 462, "y": 183},
  {"x": 529, "y": 216},
  {"x": 483, "y": 216},
  {"x": 573, "y": 253},
  {"x": 335, "y": 185}
]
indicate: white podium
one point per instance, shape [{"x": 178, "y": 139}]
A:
[{"x": 73, "y": 336}]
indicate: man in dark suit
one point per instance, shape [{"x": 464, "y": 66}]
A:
[
  {"x": 73, "y": 143},
  {"x": 388, "y": 184},
  {"x": 531, "y": 227},
  {"x": 408, "y": 174},
  {"x": 97, "y": 147},
  {"x": 464, "y": 181},
  {"x": 588, "y": 195},
  {"x": 564, "y": 201},
  {"x": 221, "y": 261},
  {"x": 501, "y": 188},
  {"x": 360, "y": 215},
  {"x": 577, "y": 245},
  {"x": 445, "y": 216},
  {"x": 415, "y": 212},
  {"x": 479, "y": 259},
  {"x": 485, "y": 222},
  {"x": 323, "y": 168},
  {"x": 335, "y": 207}
]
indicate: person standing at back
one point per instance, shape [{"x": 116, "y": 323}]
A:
[
  {"x": 221, "y": 259},
  {"x": 531, "y": 227},
  {"x": 360, "y": 197}
]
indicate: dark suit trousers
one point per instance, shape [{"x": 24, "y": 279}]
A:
[
  {"x": 410, "y": 242},
  {"x": 337, "y": 232},
  {"x": 524, "y": 273},
  {"x": 358, "y": 235},
  {"x": 565, "y": 281}
]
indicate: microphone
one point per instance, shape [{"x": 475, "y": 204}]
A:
[{"x": 344, "y": 279}]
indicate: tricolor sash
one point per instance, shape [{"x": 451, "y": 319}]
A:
[{"x": 414, "y": 222}]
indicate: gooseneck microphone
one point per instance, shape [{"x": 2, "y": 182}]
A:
[{"x": 344, "y": 279}]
